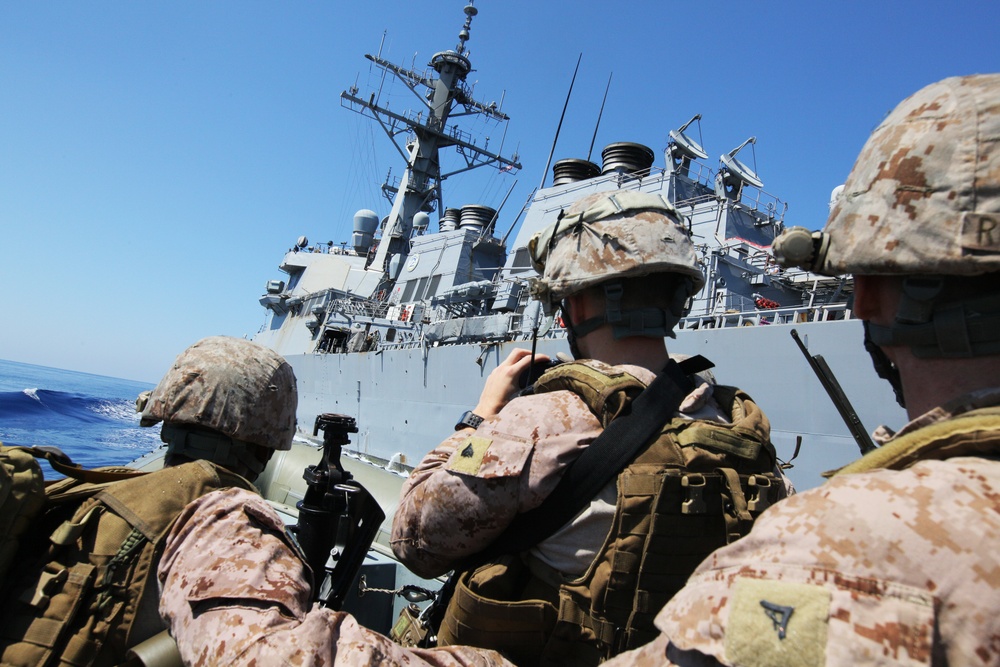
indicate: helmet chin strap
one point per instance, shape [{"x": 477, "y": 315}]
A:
[
  {"x": 571, "y": 331},
  {"x": 236, "y": 455},
  {"x": 884, "y": 366},
  {"x": 933, "y": 327},
  {"x": 650, "y": 322}
]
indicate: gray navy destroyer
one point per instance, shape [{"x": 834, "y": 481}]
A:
[{"x": 399, "y": 327}]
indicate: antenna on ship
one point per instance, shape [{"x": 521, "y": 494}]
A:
[
  {"x": 463, "y": 36},
  {"x": 559, "y": 126},
  {"x": 734, "y": 174},
  {"x": 418, "y": 136},
  {"x": 681, "y": 148},
  {"x": 599, "y": 115}
]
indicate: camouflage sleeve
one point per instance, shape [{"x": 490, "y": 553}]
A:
[
  {"x": 468, "y": 490},
  {"x": 885, "y": 567},
  {"x": 235, "y": 593}
]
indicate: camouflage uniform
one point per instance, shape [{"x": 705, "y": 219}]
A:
[
  {"x": 235, "y": 592},
  {"x": 889, "y": 567},
  {"x": 446, "y": 513}
]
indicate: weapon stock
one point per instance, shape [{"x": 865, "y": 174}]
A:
[
  {"x": 837, "y": 395},
  {"x": 338, "y": 518}
]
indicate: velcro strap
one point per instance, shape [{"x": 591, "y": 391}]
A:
[
  {"x": 44, "y": 632},
  {"x": 738, "y": 518},
  {"x": 625, "y": 562}
]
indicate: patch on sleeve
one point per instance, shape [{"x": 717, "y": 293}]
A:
[
  {"x": 776, "y": 623},
  {"x": 468, "y": 457},
  {"x": 980, "y": 233}
]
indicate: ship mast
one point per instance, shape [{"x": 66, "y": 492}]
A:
[{"x": 426, "y": 133}]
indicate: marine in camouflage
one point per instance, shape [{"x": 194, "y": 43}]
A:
[
  {"x": 465, "y": 492},
  {"x": 888, "y": 567},
  {"x": 234, "y": 592},
  {"x": 230, "y": 385}
]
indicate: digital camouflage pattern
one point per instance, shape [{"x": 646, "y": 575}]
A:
[
  {"x": 887, "y": 567},
  {"x": 924, "y": 194},
  {"x": 236, "y": 593},
  {"x": 230, "y": 385},
  {"x": 607, "y": 236},
  {"x": 453, "y": 505},
  {"x": 465, "y": 492}
]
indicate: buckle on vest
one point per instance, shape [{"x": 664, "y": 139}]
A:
[
  {"x": 48, "y": 584},
  {"x": 694, "y": 494},
  {"x": 761, "y": 499}
]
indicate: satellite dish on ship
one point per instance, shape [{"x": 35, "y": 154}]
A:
[
  {"x": 734, "y": 174},
  {"x": 682, "y": 148}
]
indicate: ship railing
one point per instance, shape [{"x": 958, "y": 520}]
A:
[
  {"x": 764, "y": 317},
  {"x": 356, "y": 306}
]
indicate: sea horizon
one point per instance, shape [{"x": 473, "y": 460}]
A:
[{"x": 90, "y": 417}]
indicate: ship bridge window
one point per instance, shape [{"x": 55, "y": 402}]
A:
[
  {"x": 421, "y": 284},
  {"x": 408, "y": 290},
  {"x": 435, "y": 281},
  {"x": 521, "y": 259}
]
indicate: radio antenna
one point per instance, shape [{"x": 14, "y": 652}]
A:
[
  {"x": 599, "y": 114},
  {"x": 559, "y": 127}
]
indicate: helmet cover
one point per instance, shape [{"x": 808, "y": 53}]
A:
[
  {"x": 231, "y": 385},
  {"x": 924, "y": 194},
  {"x": 603, "y": 237}
]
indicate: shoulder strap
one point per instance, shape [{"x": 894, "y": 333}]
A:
[
  {"x": 64, "y": 465},
  {"x": 599, "y": 463}
]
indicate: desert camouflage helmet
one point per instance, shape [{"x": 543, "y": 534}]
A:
[
  {"x": 230, "y": 385},
  {"x": 606, "y": 236},
  {"x": 924, "y": 194}
]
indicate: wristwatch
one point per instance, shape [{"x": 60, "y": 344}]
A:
[{"x": 469, "y": 420}]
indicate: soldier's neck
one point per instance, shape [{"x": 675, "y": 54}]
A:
[{"x": 650, "y": 353}]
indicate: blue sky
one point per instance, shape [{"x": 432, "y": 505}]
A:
[{"x": 158, "y": 158}]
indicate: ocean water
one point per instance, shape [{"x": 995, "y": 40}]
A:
[{"x": 91, "y": 418}]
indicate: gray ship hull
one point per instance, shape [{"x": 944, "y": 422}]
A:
[{"x": 406, "y": 401}]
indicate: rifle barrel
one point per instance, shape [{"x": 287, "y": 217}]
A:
[{"x": 837, "y": 395}]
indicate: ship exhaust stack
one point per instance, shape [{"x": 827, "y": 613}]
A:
[
  {"x": 478, "y": 218},
  {"x": 572, "y": 170},
  {"x": 449, "y": 222},
  {"x": 627, "y": 158}
]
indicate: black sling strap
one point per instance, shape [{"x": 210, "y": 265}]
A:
[{"x": 601, "y": 461}]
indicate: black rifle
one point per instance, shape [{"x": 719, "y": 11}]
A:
[
  {"x": 837, "y": 395},
  {"x": 338, "y": 518}
]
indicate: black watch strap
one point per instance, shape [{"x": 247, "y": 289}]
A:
[{"x": 469, "y": 420}]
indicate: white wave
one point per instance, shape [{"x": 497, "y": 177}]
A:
[{"x": 33, "y": 393}]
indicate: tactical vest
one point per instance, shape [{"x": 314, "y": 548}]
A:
[
  {"x": 698, "y": 486},
  {"x": 97, "y": 594}
]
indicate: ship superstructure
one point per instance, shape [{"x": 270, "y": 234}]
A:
[{"x": 399, "y": 329}]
